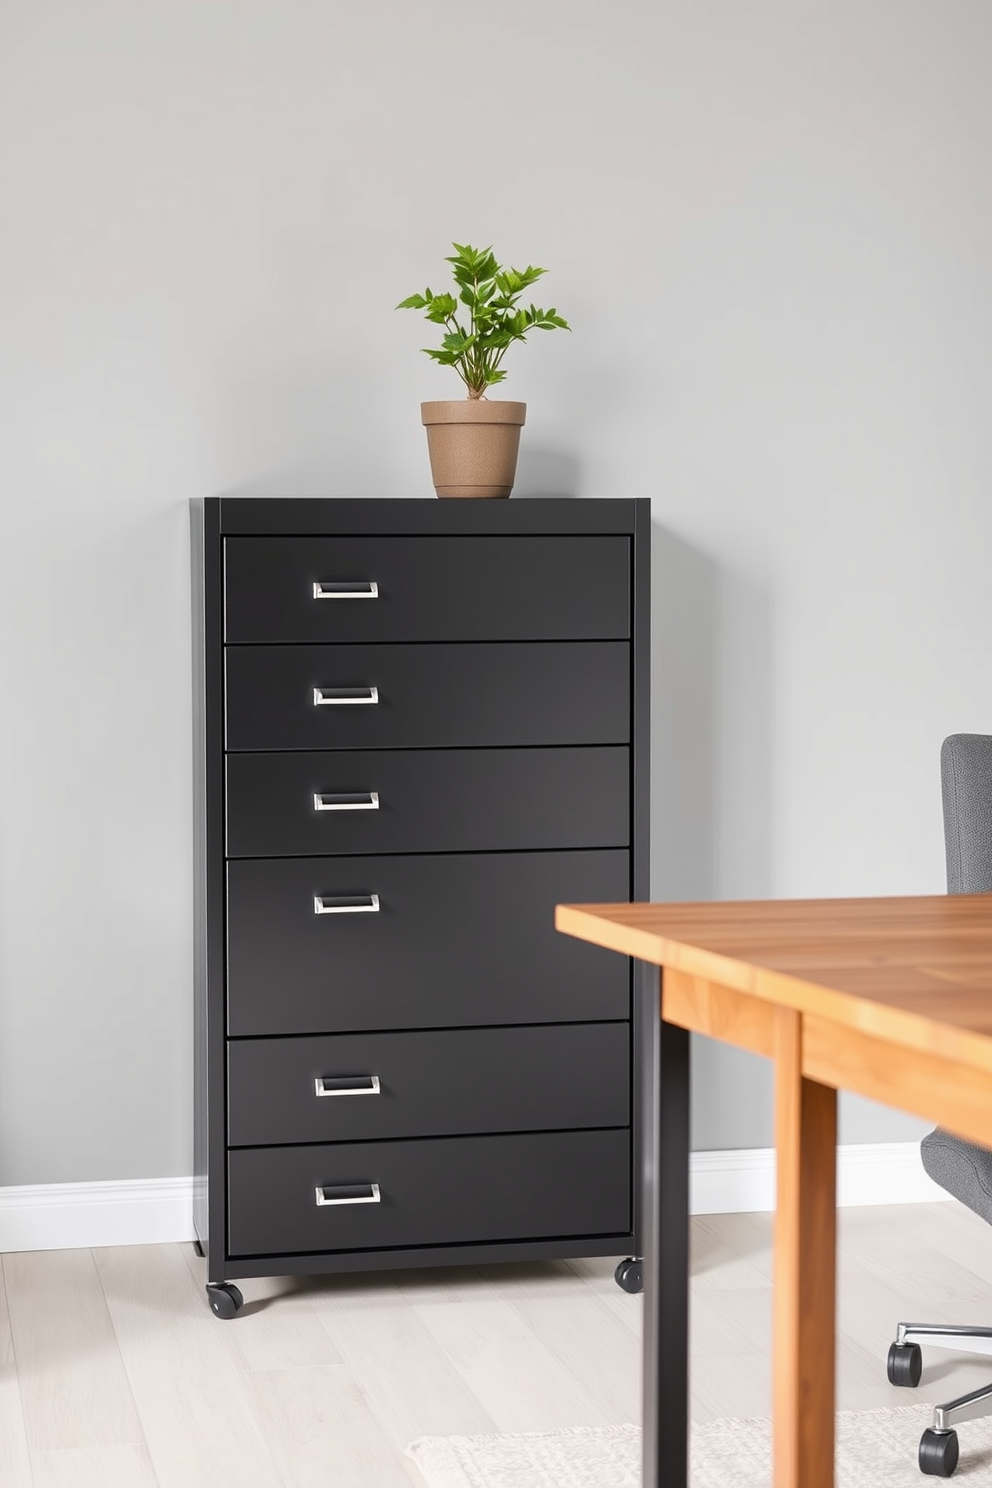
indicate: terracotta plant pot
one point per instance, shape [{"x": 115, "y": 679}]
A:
[{"x": 473, "y": 445}]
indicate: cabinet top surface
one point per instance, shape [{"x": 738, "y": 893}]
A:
[{"x": 278, "y": 516}]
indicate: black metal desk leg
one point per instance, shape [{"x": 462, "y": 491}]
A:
[{"x": 664, "y": 1082}]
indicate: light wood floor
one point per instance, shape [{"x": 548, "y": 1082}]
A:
[{"x": 114, "y": 1374}]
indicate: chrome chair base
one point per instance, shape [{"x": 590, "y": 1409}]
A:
[{"x": 938, "y": 1454}]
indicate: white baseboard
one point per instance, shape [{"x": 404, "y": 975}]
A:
[
  {"x": 72, "y": 1216},
  {"x": 743, "y": 1182},
  {"x": 69, "y": 1216}
]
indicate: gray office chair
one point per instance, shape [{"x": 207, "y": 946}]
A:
[{"x": 960, "y": 1167}]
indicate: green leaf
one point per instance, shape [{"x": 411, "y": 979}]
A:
[
  {"x": 470, "y": 257},
  {"x": 496, "y": 320},
  {"x": 549, "y": 320}
]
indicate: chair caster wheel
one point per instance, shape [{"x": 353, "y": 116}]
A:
[
  {"x": 630, "y": 1275},
  {"x": 938, "y": 1453},
  {"x": 225, "y": 1299},
  {"x": 904, "y": 1364}
]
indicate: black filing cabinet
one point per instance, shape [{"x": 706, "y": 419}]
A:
[{"x": 420, "y": 725}]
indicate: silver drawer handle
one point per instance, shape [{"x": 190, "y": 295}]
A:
[
  {"x": 347, "y": 1085},
  {"x": 348, "y": 1193},
  {"x": 338, "y": 697},
  {"x": 346, "y": 904},
  {"x": 347, "y": 801},
  {"x": 367, "y": 589}
]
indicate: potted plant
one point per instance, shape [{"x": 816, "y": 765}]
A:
[{"x": 473, "y": 442}]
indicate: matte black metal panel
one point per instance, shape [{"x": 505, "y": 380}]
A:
[
  {"x": 459, "y": 940},
  {"x": 440, "y": 696},
  {"x": 445, "y": 1190},
  {"x": 281, "y": 515},
  {"x": 209, "y": 1198},
  {"x": 428, "y": 589},
  {"x": 476, "y": 998},
  {"x": 427, "y": 800},
  {"x": 665, "y": 1092},
  {"x": 640, "y": 737},
  {"x": 415, "y": 1256},
  {"x": 640, "y": 806},
  {"x": 437, "y": 1083}
]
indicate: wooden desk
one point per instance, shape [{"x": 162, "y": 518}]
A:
[{"x": 891, "y": 998}]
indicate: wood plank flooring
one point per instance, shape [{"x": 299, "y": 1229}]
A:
[{"x": 114, "y": 1373}]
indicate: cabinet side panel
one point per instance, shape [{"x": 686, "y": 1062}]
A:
[
  {"x": 640, "y": 824},
  {"x": 208, "y": 912},
  {"x": 640, "y": 694},
  {"x": 200, "y": 1126}
]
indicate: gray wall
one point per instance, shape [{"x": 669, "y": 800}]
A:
[{"x": 771, "y": 225}]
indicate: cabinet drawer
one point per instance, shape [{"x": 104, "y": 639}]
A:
[
  {"x": 427, "y": 588},
  {"x": 447, "y": 1081},
  {"x": 364, "y": 697},
  {"x": 425, "y": 800},
  {"x": 456, "y": 941},
  {"x": 443, "y": 1191}
]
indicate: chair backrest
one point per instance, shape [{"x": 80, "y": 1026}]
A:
[
  {"x": 966, "y": 781},
  {"x": 963, "y": 1168}
]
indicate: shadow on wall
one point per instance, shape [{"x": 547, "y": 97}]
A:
[
  {"x": 540, "y": 472},
  {"x": 711, "y": 780},
  {"x": 322, "y": 433},
  {"x": 324, "y": 478},
  {"x": 711, "y": 727},
  {"x": 684, "y": 712},
  {"x": 545, "y": 472}
]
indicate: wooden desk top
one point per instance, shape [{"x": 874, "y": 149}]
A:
[{"x": 914, "y": 971}]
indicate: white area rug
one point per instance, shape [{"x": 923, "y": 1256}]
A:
[{"x": 875, "y": 1449}]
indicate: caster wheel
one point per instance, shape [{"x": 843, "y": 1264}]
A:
[
  {"x": 938, "y": 1453},
  {"x": 225, "y": 1299},
  {"x": 630, "y": 1275},
  {"x": 905, "y": 1364},
  {"x": 198, "y": 1249}
]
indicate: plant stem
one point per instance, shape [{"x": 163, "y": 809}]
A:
[{"x": 476, "y": 381}]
